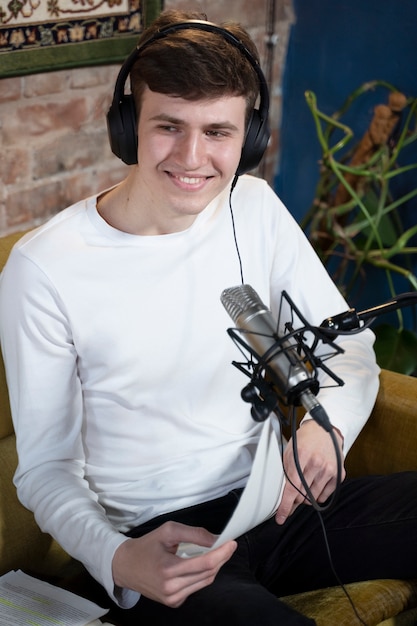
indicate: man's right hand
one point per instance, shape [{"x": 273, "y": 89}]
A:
[{"x": 150, "y": 566}]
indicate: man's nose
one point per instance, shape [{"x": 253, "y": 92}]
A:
[{"x": 192, "y": 150}]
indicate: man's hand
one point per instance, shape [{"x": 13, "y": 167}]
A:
[
  {"x": 150, "y": 566},
  {"x": 318, "y": 463}
]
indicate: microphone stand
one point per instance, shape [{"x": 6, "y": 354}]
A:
[
  {"x": 264, "y": 395},
  {"x": 352, "y": 320}
]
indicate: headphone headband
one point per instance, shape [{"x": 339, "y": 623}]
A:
[{"x": 121, "y": 117}]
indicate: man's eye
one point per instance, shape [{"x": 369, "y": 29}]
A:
[
  {"x": 168, "y": 128},
  {"x": 216, "y": 133}
]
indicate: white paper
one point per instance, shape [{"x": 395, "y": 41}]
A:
[
  {"x": 261, "y": 496},
  {"x": 25, "y": 601}
]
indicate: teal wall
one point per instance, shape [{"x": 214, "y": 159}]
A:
[{"x": 334, "y": 47}]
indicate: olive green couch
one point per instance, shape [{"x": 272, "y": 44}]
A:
[{"x": 388, "y": 443}]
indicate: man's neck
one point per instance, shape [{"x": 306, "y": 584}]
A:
[{"x": 129, "y": 211}]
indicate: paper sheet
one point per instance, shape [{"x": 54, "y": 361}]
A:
[
  {"x": 25, "y": 600},
  {"x": 261, "y": 496}
]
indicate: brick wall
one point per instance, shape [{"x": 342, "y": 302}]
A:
[
  {"x": 54, "y": 147},
  {"x": 53, "y": 137}
]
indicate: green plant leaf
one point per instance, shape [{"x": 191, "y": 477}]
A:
[
  {"x": 395, "y": 349},
  {"x": 386, "y": 227}
]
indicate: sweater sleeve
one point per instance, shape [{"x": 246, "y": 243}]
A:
[
  {"x": 47, "y": 409},
  {"x": 296, "y": 268},
  {"x": 315, "y": 294},
  {"x": 349, "y": 406}
]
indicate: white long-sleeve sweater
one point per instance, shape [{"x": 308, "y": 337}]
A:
[{"x": 124, "y": 399}]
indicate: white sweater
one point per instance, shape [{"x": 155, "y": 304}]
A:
[{"x": 124, "y": 399}]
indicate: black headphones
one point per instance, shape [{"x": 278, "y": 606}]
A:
[{"x": 121, "y": 117}]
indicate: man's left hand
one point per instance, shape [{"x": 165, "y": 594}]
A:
[{"x": 318, "y": 462}]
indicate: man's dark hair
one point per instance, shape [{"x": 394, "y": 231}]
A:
[{"x": 194, "y": 64}]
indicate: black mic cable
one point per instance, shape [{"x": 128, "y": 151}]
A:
[
  {"x": 318, "y": 508},
  {"x": 278, "y": 357}
]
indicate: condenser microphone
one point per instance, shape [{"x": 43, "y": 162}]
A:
[{"x": 277, "y": 355}]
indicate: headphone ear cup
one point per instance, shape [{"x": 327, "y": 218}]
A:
[
  {"x": 256, "y": 141},
  {"x": 122, "y": 131}
]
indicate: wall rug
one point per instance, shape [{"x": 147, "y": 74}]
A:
[{"x": 45, "y": 35}]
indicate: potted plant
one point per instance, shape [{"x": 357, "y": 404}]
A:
[{"x": 356, "y": 219}]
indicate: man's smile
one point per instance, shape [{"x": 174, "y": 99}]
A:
[{"x": 188, "y": 181}]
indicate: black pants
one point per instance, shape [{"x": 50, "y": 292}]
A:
[{"x": 371, "y": 530}]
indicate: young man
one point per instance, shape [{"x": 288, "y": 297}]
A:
[{"x": 132, "y": 435}]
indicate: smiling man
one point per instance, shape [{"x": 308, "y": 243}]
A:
[
  {"x": 188, "y": 153},
  {"x": 131, "y": 432}
]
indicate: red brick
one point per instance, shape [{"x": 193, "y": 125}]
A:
[
  {"x": 82, "y": 185},
  {"x": 99, "y": 105},
  {"x": 10, "y": 89},
  {"x": 29, "y": 205},
  {"x": 69, "y": 152},
  {"x": 247, "y": 12},
  {"x": 14, "y": 166},
  {"x": 45, "y": 84},
  {"x": 88, "y": 77},
  {"x": 36, "y": 119},
  {"x": 115, "y": 172}
]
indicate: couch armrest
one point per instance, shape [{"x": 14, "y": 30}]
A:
[
  {"x": 6, "y": 425},
  {"x": 22, "y": 544},
  {"x": 388, "y": 441}
]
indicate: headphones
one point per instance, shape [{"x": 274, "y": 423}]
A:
[{"x": 121, "y": 117}]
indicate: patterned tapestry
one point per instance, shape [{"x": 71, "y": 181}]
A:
[
  {"x": 31, "y": 23},
  {"x": 57, "y": 28}
]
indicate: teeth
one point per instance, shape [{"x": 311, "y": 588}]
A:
[{"x": 188, "y": 180}]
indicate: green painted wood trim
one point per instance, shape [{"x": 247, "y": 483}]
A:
[{"x": 64, "y": 56}]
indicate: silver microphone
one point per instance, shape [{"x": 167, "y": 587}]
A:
[{"x": 279, "y": 356}]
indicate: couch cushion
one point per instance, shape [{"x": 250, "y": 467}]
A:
[
  {"x": 375, "y": 601},
  {"x": 22, "y": 544},
  {"x": 6, "y": 427},
  {"x": 408, "y": 618},
  {"x": 6, "y": 244},
  {"x": 387, "y": 442}
]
